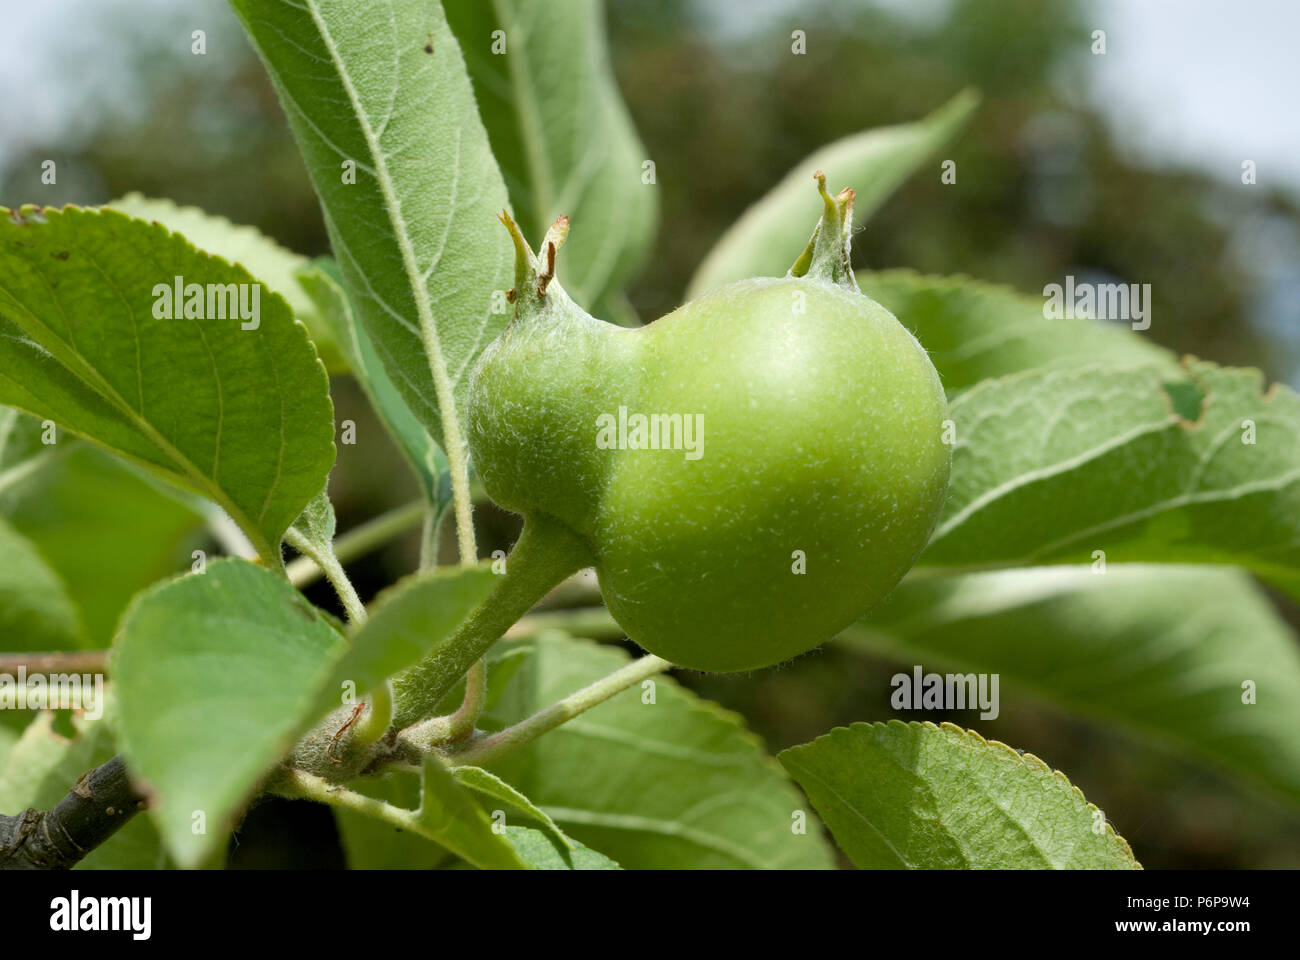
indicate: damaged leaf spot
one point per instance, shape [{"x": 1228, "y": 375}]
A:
[{"x": 1186, "y": 398}]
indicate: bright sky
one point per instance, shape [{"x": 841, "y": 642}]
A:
[
  {"x": 68, "y": 65},
  {"x": 1200, "y": 83},
  {"x": 1206, "y": 83}
]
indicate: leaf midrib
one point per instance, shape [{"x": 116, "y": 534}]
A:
[
  {"x": 811, "y": 774},
  {"x": 424, "y": 311},
  {"x": 1049, "y": 470}
]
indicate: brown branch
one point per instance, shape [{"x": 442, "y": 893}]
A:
[{"x": 96, "y": 807}]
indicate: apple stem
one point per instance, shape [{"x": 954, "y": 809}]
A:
[{"x": 545, "y": 554}]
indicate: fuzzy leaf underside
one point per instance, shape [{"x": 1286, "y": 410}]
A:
[
  {"x": 379, "y": 90},
  {"x": 1194, "y": 658},
  {"x": 1052, "y": 466},
  {"x": 561, "y": 133},
  {"x": 974, "y": 330},
  {"x": 324, "y": 284}
]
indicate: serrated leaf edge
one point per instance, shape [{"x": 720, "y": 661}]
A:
[
  {"x": 1028, "y": 759},
  {"x": 200, "y": 487}
]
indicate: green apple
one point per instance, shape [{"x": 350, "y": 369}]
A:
[{"x": 749, "y": 474}]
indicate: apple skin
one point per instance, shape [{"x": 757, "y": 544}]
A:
[{"x": 819, "y": 480}]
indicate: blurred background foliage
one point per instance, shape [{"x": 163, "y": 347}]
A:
[{"x": 1044, "y": 189}]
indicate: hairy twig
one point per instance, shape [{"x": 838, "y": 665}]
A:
[
  {"x": 360, "y": 540},
  {"x": 488, "y": 747}
]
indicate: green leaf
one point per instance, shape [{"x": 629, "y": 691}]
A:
[
  {"x": 447, "y": 820},
  {"x": 242, "y": 417},
  {"x": 561, "y": 133},
  {"x": 542, "y": 851},
  {"x": 42, "y": 766},
  {"x": 220, "y": 673},
  {"x": 406, "y": 622},
  {"x": 974, "y": 330},
  {"x": 449, "y": 815},
  {"x": 490, "y": 785},
  {"x": 1053, "y": 466},
  {"x": 374, "y": 844},
  {"x": 105, "y": 531},
  {"x": 674, "y": 784},
  {"x": 217, "y": 674},
  {"x": 325, "y": 286},
  {"x": 35, "y": 610},
  {"x": 317, "y": 522},
  {"x": 1161, "y": 652},
  {"x": 771, "y": 234},
  {"x": 22, "y": 451},
  {"x": 382, "y": 85},
  {"x": 8, "y": 737},
  {"x": 250, "y": 248},
  {"x": 917, "y": 796}
]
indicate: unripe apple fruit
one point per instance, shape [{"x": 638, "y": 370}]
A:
[{"x": 751, "y": 473}]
